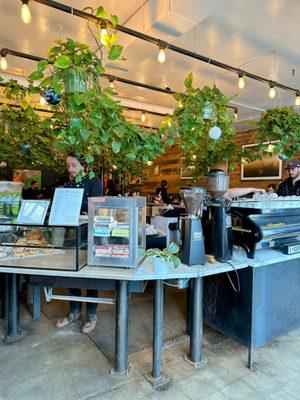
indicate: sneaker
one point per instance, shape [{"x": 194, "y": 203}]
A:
[
  {"x": 68, "y": 319},
  {"x": 89, "y": 324}
]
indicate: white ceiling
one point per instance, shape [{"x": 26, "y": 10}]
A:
[{"x": 260, "y": 36}]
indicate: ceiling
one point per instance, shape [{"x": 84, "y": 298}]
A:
[{"x": 259, "y": 36}]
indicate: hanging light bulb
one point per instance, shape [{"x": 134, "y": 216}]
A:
[
  {"x": 43, "y": 101},
  {"x": 241, "y": 81},
  {"x": 25, "y": 12},
  {"x": 161, "y": 58},
  {"x": 272, "y": 92},
  {"x": 180, "y": 105},
  {"x": 143, "y": 117},
  {"x": 103, "y": 35},
  {"x": 194, "y": 156},
  {"x": 149, "y": 163},
  {"x": 112, "y": 85},
  {"x": 297, "y": 99},
  {"x": 236, "y": 113},
  {"x": 169, "y": 123},
  {"x": 3, "y": 63},
  {"x": 214, "y": 132}
]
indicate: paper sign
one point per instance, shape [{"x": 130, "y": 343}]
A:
[
  {"x": 33, "y": 212},
  {"x": 66, "y": 207}
]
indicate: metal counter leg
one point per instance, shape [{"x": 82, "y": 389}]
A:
[
  {"x": 250, "y": 360},
  {"x": 121, "y": 345},
  {"x": 156, "y": 378},
  {"x": 196, "y": 325},
  {"x": 189, "y": 309},
  {"x": 14, "y": 332},
  {"x": 4, "y": 296}
]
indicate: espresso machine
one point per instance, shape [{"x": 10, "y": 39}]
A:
[
  {"x": 217, "y": 217},
  {"x": 192, "y": 249}
]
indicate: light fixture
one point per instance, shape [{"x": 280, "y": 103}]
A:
[
  {"x": 161, "y": 58},
  {"x": 103, "y": 35},
  {"x": 169, "y": 123},
  {"x": 114, "y": 167},
  {"x": 241, "y": 80},
  {"x": 25, "y": 12},
  {"x": 143, "y": 117},
  {"x": 236, "y": 113},
  {"x": 194, "y": 156},
  {"x": 43, "y": 101},
  {"x": 3, "y": 63},
  {"x": 149, "y": 163},
  {"x": 180, "y": 105},
  {"x": 297, "y": 99},
  {"x": 272, "y": 92}
]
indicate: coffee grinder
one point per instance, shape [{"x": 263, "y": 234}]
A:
[
  {"x": 217, "y": 218},
  {"x": 192, "y": 250}
]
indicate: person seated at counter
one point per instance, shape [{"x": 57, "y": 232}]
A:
[
  {"x": 291, "y": 185},
  {"x": 33, "y": 192},
  {"x": 162, "y": 192},
  {"x": 272, "y": 188},
  {"x": 92, "y": 187}
]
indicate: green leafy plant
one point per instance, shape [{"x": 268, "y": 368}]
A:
[
  {"x": 279, "y": 132},
  {"x": 25, "y": 141},
  {"x": 167, "y": 254},
  {"x": 191, "y": 129},
  {"x": 91, "y": 123}
]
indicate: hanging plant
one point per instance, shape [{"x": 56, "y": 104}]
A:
[
  {"x": 25, "y": 141},
  {"x": 202, "y": 125},
  {"x": 281, "y": 127},
  {"x": 91, "y": 123}
]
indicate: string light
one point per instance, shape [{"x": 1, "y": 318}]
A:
[
  {"x": 169, "y": 123},
  {"x": 272, "y": 92},
  {"x": 112, "y": 85},
  {"x": 25, "y": 12},
  {"x": 241, "y": 81},
  {"x": 161, "y": 58},
  {"x": 43, "y": 101},
  {"x": 297, "y": 99},
  {"x": 149, "y": 163},
  {"x": 3, "y": 63},
  {"x": 143, "y": 117},
  {"x": 236, "y": 113}
]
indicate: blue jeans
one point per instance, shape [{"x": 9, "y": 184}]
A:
[{"x": 75, "y": 306}]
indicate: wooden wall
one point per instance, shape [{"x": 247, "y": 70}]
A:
[{"x": 169, "y": 169}]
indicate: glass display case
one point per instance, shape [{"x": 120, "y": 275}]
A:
[
  {"x": 43, "y": 247},
  {"x": 116, "y": 235}
]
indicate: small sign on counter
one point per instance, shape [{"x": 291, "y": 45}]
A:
[
  {"x": 66, "y": 207},
  {"x": 33, "y": 212}
]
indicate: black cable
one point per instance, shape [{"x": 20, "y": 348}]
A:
[{"x": 237, "y": 278}]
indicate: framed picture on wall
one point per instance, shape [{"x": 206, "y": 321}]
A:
[
  {"x": 266, "y": 168},
  {"x": 186, "y": 171}
]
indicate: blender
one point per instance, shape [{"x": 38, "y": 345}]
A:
[{"x": 192, "y": 250}]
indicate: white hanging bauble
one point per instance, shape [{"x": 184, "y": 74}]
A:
[{"x": 215, "y": 132}]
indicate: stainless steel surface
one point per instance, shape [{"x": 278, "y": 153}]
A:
[
  {"x": 269, "y": 205},
  {"x": 193, "y": 199},
  {"x": 217, "y": 183}
]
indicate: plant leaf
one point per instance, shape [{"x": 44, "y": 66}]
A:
[
  {"x": 188, "y": 81},
  {"x": 115, "y": 52},
  {"x": 173, "y": 248},
  {"x": 36, "y": 75},
  {"x": 132, "y": 156},
  {"x": 62, "y": 62},
  {"x": 78, "y": 98},
  {"x": 89, "y": 158},
  {"x": 114, "y": 20},
  {"x": 91, "y": 174},
  {"x": 101, "y": 13}
]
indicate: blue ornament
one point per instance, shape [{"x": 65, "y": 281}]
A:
[
  {"x": 52, "y": 97},
  {"x": 26, "y": 147},
  {"x": 282, "y": 157}
]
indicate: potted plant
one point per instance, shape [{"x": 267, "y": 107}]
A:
[
  {"x": 281, "y": 127},
  {"x": 202, "y": 125},
  {"x": 162, "y": 259}
]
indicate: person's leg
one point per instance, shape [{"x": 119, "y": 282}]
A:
[
  {"x": 90, "y": 321},
  {"x": 74, "y": 313}
]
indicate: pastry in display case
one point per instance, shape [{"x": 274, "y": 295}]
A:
[
  {"x": 43, "y": 247},
  {"x": 116, "y": 234}
]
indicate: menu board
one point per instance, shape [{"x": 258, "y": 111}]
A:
[
  {"x": 33, "y": 212},
  {"x": 66, "y": 207}
]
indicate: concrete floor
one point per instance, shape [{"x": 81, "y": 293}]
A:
[{"x": 51, "y": 364}]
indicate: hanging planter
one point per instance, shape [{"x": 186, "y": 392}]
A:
[
  {"x": 208, "y": 111},
  {"x": 74, "y": 81}
]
